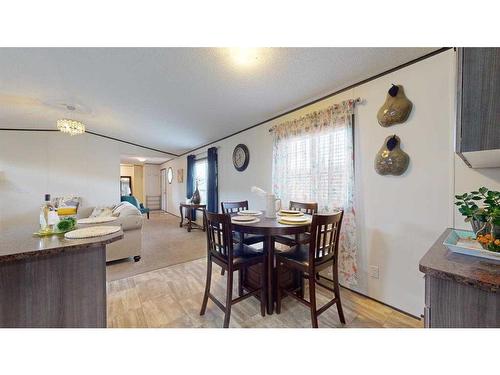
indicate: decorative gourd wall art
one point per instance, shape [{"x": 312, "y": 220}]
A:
[
  {"x": 390, "y": 159},
  {"x": 396, "y": 108}
]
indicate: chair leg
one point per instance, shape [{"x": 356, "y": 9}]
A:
[
  {"x": 229, "y": 297},
  {"x": 312, "y": 299},
  {"x": 263, "y": 288},
  {"x": 147, "y": 214},
  {"x": 207, "y": 286},
  {"x": 278, "y": 286},
  {"x": 337, "y": 294},
  {"x": 240, "y": 282},
  {"x": 222, "y": 271},
  {"x": 300, "y": 292}
]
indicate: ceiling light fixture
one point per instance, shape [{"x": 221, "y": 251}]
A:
[
  {"x": 142, "y": 160},
  {"x": 245, "y": 56},
  {"x": 71, "y": 127}
]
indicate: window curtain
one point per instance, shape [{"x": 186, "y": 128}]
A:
[
  {"x": 212, "y": 183},
  {"x": 190, "y": 181},
  {"x": 313, "y": 161}
]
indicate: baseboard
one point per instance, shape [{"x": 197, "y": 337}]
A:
[{"x": 383, "y": 303}]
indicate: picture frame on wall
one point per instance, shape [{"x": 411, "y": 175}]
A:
[{"x": 180, "y": 175}]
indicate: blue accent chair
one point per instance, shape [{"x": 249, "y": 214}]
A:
[{"x": 133, "y": 200}]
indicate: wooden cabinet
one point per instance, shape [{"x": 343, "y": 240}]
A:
[
  {"x": 461, "y": 291},
  {"x": 449, "y": 304},
  {"x": 478, "y": 106}
]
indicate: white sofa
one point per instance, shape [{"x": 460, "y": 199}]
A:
[{"x": 130, "y": 219}]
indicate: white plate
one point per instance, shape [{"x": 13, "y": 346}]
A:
[
  {"x": 255, "y": 220},
  {"x": 249, "y": 212},
  {"x": 242, "y": 218}
]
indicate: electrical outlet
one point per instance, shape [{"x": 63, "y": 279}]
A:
[{"x": 374, "y": 272}]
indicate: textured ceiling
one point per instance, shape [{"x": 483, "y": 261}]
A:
[{"x": 175, "y": 99}]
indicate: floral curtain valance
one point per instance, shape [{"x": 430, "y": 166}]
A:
[{"x": 336, "y": 114}]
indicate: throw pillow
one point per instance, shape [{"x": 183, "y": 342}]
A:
[{"x": 101, "y": 211}]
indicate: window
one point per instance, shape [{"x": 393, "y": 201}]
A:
[
  {"x": 313, "y": 161},
  {"x": 314, "y": 167},
  {"x": 200, "y": 175}
]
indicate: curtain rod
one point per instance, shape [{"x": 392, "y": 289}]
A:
[
  {"x": 204, "y": 152},
  {"x": 357, "y": 100}
]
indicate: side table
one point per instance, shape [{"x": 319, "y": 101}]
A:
[{"x": 188, "y": 209}]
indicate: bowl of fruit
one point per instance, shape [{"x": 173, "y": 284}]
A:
[{"x": 488, "y": 242}]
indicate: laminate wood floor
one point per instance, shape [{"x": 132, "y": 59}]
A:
[{"x": 171, "y": 297}]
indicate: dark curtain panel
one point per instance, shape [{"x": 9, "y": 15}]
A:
[
  {"x": 190, "y": 181},
  {"x": 212, "y": 182}
]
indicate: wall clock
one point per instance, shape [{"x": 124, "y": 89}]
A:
[
  {"x": 170, "y": 175},
  {"x": 241, "y": 157}
]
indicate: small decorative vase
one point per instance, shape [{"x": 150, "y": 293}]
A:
[
  {"x": 196, "y": 199},
  {"x": 480, "y": 227}
]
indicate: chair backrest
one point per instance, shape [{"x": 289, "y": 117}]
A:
[
  {"x": 130, "y": 199},
  {"x": 219, "y": 235},
  {"x": 230, "y": 207},
  {"x": 307, "y": 208},
  {"x": 324, "y": 243}
]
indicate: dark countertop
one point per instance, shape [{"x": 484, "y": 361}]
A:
[
  {"x": 465, "y": 269},
  {"x": 21, "y": 244}
]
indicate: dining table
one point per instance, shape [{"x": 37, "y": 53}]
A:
[{"x": 269, "y": 228}]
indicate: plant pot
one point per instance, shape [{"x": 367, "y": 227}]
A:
[{"x": 480, "y": 227}]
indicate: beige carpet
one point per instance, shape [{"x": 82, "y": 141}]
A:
[{"x": 163, "y": 244}]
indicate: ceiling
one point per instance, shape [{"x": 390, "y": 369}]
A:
[
  {"x": 141, "y": 159},
  {"x": 175, "y": 99}
]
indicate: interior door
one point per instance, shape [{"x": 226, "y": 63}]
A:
[{"x": 163, "y": 185}]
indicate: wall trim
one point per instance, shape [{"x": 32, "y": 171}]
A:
[
  {"x": 411, "y": 62},
  {"x": 97, "y": 135}
]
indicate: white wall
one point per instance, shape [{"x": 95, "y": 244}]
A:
[
  {"x": 398, "y": 218},
  {"x": 35, "y": 163},
  {"x": 468, "y": 179}
]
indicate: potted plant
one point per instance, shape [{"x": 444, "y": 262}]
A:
[{"x": 482, "y": 209}]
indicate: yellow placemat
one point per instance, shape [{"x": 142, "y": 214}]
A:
[{"x": 293, "y": 222}]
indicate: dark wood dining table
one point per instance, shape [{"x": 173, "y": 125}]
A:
[{"x": 269, "y": 228}]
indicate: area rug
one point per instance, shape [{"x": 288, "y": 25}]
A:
[{"x": 164, "y": 244}]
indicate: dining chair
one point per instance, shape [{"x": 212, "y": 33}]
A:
[
  {"x": 231, "y": 256},
  {"x": 309, "y": 259},
  {"x": 248, "y": 239},
  {"x": 307, "y": 208}
]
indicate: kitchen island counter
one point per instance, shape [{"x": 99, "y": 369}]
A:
[{"x": 52, "y": 281}]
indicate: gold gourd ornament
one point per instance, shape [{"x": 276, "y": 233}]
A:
[
  {"x": 390, "y": 159},
  {"x": 396, "y": 108}
]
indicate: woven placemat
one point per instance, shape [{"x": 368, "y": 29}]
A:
[
  {"x": 96, "y": 220},
  {"x": 92, "y": 232}
]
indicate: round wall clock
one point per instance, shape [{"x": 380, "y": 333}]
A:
[
  {"x": 170, "y": 175},
  {"x": 241, "y": 157}
]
